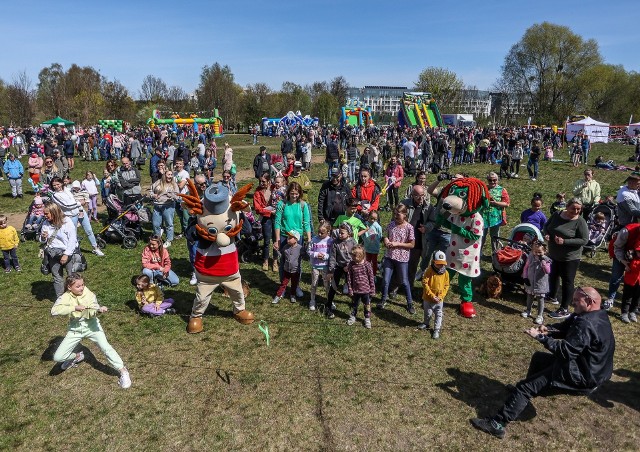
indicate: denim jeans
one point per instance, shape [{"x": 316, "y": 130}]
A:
[
  {"x": 267, "y": 233},
  {"x": 163, "y": 214},
  {"x": 331, "y": 164},
  {"x": 153, "y": 274},
  {"x": 351, "y": 168},
  {"x": 531, "y": 164},
  {"x": 617, "y": 272},
  {"x": 390, "y": 266},
  {"x": 86, "y": 225}
]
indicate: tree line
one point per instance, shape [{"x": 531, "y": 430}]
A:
[{"x": 549, "y": 74}]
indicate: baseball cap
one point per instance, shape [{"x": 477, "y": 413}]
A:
[
  {"x": 335, "y": 172},
  {"x": 439, "y": 258},
  {"x": 294, "y": 234},
  {"x": 297, "y": 163}
]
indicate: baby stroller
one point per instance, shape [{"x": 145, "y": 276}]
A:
[
  {"x": 124, "y": 224},
  {"x": 511, "y": 253},
  {"x": 599, "y": 236},
  {"x": 250, "y": 237}
]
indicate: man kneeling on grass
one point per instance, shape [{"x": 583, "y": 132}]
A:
[{"x": 581, "y": 359}]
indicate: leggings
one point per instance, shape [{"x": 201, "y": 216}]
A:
[
  {"x": 565, "y": 272},
  {"x": 366, "y": 301},
  {"x": 338, "y": 273},
  {"x": 93, "y": 206},
  {"x": 392, "y": 193}
]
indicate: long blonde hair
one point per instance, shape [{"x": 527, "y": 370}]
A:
[
  {"x": 162, "y": 186},
  {"x": 57, "y": 217}
]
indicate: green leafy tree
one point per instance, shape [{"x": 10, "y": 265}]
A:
[
  {"x": 545, "y": 64},
  {"x": 217, "y": 89},
  {"x": 445, "y": 86}
]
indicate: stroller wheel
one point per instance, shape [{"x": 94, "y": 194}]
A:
[
  {"x": 129, "y": 242},
  {"x": 245, "y": 257},
  {"x": 101, "y": 243},
  {"x": 23, "y": 238}
]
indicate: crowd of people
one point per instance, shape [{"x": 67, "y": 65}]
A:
[{"x": 339, "y": 232}]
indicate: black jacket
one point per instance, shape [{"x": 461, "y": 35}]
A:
[
  {"x": 332, "y": 200},
  {"x": 583, "y": 346},
  {"x": 257, "y": 165}
]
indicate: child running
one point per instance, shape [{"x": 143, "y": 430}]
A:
[
  {"x": 319, "y": 254},
  {"x": 435, "y": 283},
  {"x": 151, "y": 299},
  {"x": 292, "y": 253},
  {"x": 81, "y": 305},
  {"x": 536, "y": 279},
  {"x": 361, "y": 285}
]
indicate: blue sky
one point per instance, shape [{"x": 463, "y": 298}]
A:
[{"x": 368, "y": 42}]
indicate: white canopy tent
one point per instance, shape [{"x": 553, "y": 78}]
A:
[
  {"x": 598, "y": 132},
  {"x": 633, "y": 129}
]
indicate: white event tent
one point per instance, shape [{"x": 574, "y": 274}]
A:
[{"x": 598, "y": 132}]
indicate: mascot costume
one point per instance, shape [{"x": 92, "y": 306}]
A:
[
  {"x": 216, "y": 261},
  {"x": 461, "y": 204}
]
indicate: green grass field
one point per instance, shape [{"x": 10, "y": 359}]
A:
[{"x": 320, "y": 385}]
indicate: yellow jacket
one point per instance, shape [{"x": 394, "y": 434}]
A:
[
  {"x": 434, "y": 285},
  {"x": 153, "y": 294},
  {"x": 8, "y": 238},
  {"x": 67, "y": 302}
]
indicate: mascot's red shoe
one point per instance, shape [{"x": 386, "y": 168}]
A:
[
  {"x": 195, "y": 325},
  {"x": 467, "y": 310},
  {"x": 245, "y": 317}
]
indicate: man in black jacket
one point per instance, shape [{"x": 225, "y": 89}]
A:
[
  {"x": 581, "y": 359},
  {"x": 261, "y": 163},
  {"x": 332, "y": 200}
]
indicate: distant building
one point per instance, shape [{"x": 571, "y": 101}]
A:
[
  {"x": 475, "y": 102},
  {"x": 381, "y": 99}
]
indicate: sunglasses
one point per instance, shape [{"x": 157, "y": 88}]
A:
[{"x": 585, "y": 294}]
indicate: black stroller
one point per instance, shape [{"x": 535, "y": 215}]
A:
[
  {"x": 124, "y": 224},
  {"x": 250, "y": 237}
]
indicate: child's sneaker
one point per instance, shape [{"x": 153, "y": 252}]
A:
[
  {"x": 293, "y": 300},
  {"x": 7, "y": 270},
  {"x": 367, "y": 323},
  {"x": 625, "y": 318},
  {"x": 125, "y": 379},
  {"x": 381, "y": 304},
  {"x": 275, "y": 300},
  {"x": 169, "y": 311},
  {"x": 275, "y": 266},
  {"x": 194, "y": 280},
  {"x": 331, "y": 315},
  {"x": 633, "y": 317},
  {"x": 436, "y": 334},
  {"x": 539, "y": 320},
  {"x": 73, "y": 362},
  {"x": 411, "y": 309},
  {"x": 525, "y": 314},
  {"x": 312, "y": 305},
  {"x": 18, "y": 269},
  {"x": 352, "y": 320}
]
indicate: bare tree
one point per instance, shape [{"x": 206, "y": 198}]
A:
[
  {"x": 153, "y": 89},
  {"x": 21, "y": 99}
]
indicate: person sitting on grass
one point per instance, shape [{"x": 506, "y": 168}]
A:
[
  {"x": 81, "y": 305},
  {"x": 156, "y": 263},
  {"x": 580, "y": 359},
  {"x": 150, "y": 298}
]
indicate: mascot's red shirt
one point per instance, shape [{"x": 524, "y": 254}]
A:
[{"x": 217, "y": 261}]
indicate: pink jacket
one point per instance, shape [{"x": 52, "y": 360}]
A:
[
  {"x": 35, "y": 164},
  {"x": 156, "y": 260},
  {"x": 396, "y": 172}
]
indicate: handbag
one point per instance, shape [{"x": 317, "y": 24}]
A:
[{"x": 77, "y": 262}]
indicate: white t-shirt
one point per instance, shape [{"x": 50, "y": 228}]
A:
[
  {"x": 182, "y": 175},
  {"x": 201, "y": 149},
  {"x": 90, "y": 186}
]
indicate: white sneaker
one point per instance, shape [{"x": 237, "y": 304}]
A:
[
  {"x": 167, "y": 244},
  {"x": 312, "y": 305},
  {"x": 275, "y": 300},
  {"x": 539, "y": 320},
  {"x": 293, "y": 300},
  {"x": 351, "y": 320},
  {"x": 125, "y": 379},
  {"x": 525, "y": 314},
  {"x": 533, "y": 178},
  {"x": 193, "y": 281},
  {"x": 608, "y": 303},
  {"x": 98, "y": 252},
  {"x": 367, "y": 323}
]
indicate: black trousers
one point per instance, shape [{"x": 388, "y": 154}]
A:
[
  {"x": 538, "y": 379},
  {"x": 565, "y": 272}
]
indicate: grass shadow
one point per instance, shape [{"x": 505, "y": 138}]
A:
[
  {"x": 483, "y": 394},
  {"x": 595, "y": 270},
  {"x": 624, "y": 392},
  {"x": 89, "y": 358},
  {"x": 42, "y": 290}
]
